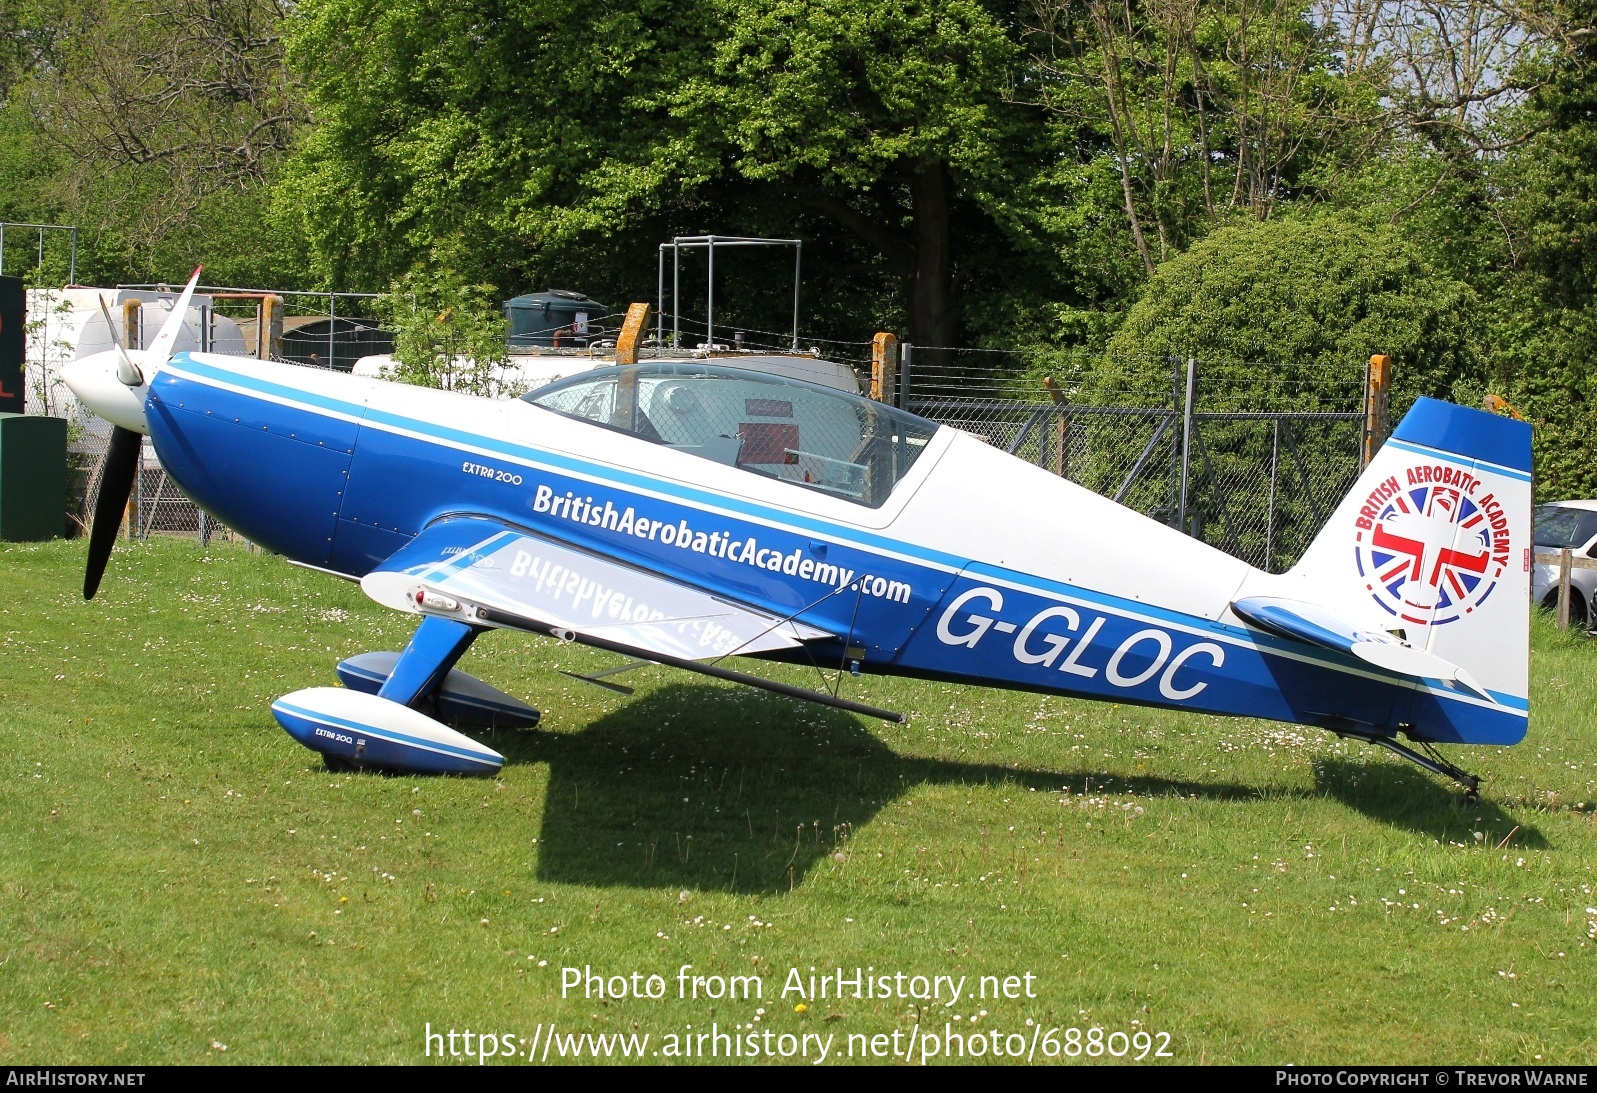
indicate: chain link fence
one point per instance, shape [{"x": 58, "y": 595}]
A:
[
  {"x": 1257, "y": 485},
  {"x": 1250, "y": 457}
]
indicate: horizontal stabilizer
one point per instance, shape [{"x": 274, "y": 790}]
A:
[{"x": 1314, "y": 625}]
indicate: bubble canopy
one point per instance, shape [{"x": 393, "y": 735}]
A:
[{"x": 803, "y": 433}]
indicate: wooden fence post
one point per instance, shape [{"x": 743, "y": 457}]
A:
[
  {"x": 132, "y": 325},
  {"x": 1062, "y": 430},
  {"x": 1378, "y": 382},
  {"x": 884, "y": 367},
  {"x": 269, "y": 332},
  {"x": 1564, "y": 558},
  {"x": 632, "y": 328}
]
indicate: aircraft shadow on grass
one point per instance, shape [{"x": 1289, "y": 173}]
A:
[
  {"x": 1402, "y": 796},
  {"x": 696, "y": 787}
]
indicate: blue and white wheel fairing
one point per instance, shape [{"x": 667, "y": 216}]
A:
[
  {"x": 367, "y": 731},
  {"x": 463, "y": 699}
]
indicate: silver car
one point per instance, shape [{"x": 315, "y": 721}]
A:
[{"x": 1571, "y": 524}]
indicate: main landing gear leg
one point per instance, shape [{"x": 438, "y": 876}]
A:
[
  {"x": 1433, "y": 762},
  {"x": 437, "y": 644}
]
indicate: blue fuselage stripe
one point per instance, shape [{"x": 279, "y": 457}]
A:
[{"x": 575, "y": 465}]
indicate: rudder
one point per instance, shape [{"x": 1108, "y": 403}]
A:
[{"x": 1434, "y": 543}]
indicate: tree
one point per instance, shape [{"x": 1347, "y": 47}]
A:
[
  {"x": 1453, "y": 69},
  {"x": 1544, "y": 336},
  {"x": 29, "y": 36},
  {"x": 884, "y": 117},
  {"x": 155, "y": 125},
  {"x": 1282, "y": 315},
  {"x": 535, "y": 128},
  {"x": 1210, "y": 109},
  {"x": 170, "y": 101},
  {"x": 448, "y": 333}
]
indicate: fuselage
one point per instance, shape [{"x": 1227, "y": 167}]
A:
[{"x": 978, "y": 567}]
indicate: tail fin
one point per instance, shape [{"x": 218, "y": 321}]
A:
[{"x": 1434, "y": 543}]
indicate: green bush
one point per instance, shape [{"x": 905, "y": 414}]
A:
[
  {"x": 1283, "y": 316},
  {"x": 1303, "y": 302},
  {"x": 448, "y": 333}
]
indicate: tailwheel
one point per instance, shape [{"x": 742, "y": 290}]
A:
[
  {"x": 1432, "y": 760},
  {"x": 1427, "y": 758}
]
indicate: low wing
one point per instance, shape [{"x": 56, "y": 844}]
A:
[
  {"x": 1310, "y": 623},
  {"x": 475, "y": 568}
]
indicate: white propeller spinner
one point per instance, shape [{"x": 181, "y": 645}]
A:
[{"x": 113, "y": 384}]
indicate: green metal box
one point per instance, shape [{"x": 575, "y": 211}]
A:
[
  {"x": 554, "y": 318},
  {"x": 33, "y": 477}
]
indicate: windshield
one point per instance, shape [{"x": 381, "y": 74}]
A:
[
  {"x": 812, "y": 436},
  {"x": 1557, "y": 526}
]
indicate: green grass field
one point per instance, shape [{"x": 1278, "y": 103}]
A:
[{"x": 180, "y": 881}]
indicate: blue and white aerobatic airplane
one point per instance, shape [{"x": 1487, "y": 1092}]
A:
[{"x": 682, "y": 513}]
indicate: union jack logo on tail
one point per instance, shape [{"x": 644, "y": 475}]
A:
[{"x": 1431, "y": 555}]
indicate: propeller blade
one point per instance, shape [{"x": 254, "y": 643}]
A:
[
  {"x": 161, "y": 348},
  {"x": 116, "y": 486},
  {"x": 127, "y": 371}
]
